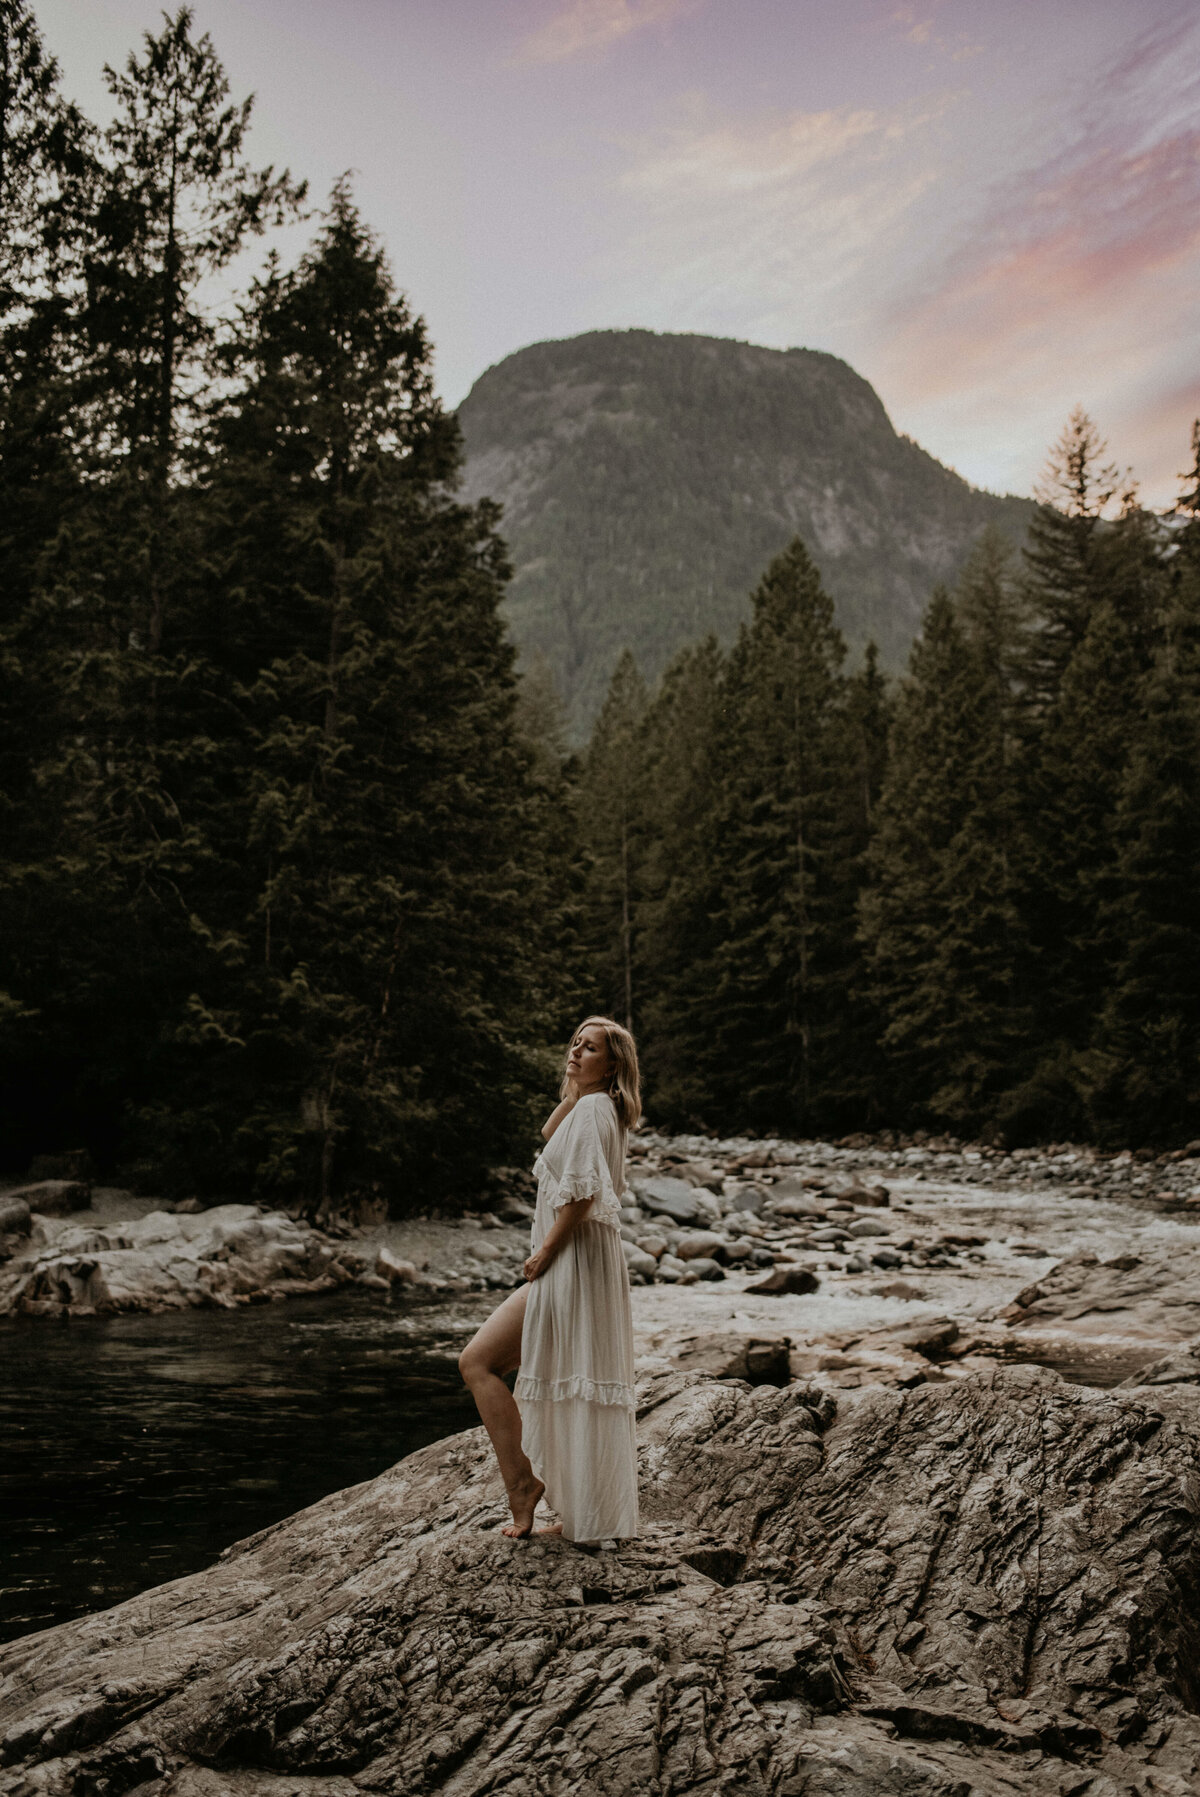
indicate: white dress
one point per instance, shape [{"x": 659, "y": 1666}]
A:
[{"x": 575, "y": 1386}]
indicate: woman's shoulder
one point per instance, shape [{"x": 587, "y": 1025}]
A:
[{"x": 601, "y": 1115}]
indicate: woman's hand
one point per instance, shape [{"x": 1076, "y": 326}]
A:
[{"x": 537, "y": 1263}]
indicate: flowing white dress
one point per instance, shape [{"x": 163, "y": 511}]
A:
[{"x": 575, "y": 1386}]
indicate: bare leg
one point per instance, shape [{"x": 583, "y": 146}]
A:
[{"x": 494, "y": 1350}]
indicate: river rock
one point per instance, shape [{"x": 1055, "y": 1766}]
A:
[
  {"x": 70, "y": 1164},
  {"x": 979, "y": 1589},
  {"x": 748, "y": 1201},
  {"x": 666, "y": 1197},
  {"x": 638, "y": 1261},
  {"x": 225, "y": 1256},
  {"x": 394, "y": 1270},
  {"x": 760, "y": 1360},
  {"x": 14, "y": 1215},
  {"x": 864, "y": 1226},
  {"x": 53, "y": 1197},
  {"x": 787, "y": 1282},
  {"x": 700, "y": 1245},
  {"x": 703, "y": 1268}
]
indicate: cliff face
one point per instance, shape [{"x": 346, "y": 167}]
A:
[
  {"x": 988, "y": 1587},
  {"x": 647, "y": 480}
]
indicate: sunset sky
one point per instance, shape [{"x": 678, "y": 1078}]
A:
[{"x": 990, "y": 208}]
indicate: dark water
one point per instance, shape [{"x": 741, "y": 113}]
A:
[{"x": 134, "y": 1449}]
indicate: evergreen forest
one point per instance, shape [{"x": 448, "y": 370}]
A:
[{"x": 303, "y": 886}]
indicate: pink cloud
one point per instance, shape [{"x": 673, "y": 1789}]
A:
[
  {"x": 585, "y": 25},
  {"x": 1077, "y": 283}
]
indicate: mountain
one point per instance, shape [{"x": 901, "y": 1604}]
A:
[{"x": 648, "y": 479}]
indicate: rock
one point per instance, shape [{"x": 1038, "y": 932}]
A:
[
  {"x": 979, "y": 1587},
  {"x": 697, "y": 1173},
  {"x": 897, "y": 1288},
  {"x": 705, "y": 1269},
  {"x": 760, "y": 1360},
  {"x": 393, "y": 1270},
  {"x": 672, "y": 1270},
  {"x": 887, "y": 1257},
  {"x": 514, "y": 1210},
  {"x": 930, "y": 1338},
  {"x": 1182, "y": 1367},
  {"x": 639, "y": 1262},
  {"x": 700, "y": 1245},
  {"x": 72, "y": 1164},
  {"x": 229, "y": 1255},
  {"x": 737, "y": 1251},
  {"x": 864, "y": 1226},
  {"x": 52, "y": 1197},
  {"x": 188, "y": 1207},
  {"x": 485, "y": 1251},
  {"x": 795, "y": 1207},
  {"x": 14, "y": 1215},
  {"x": 666, "y": 1197},
  {"x": 749, "y": 1201},
  {"x": 789, "y": 1281},
  {"x": 653, "y": 1244},
  {"x": 1154, "y": 1296}
]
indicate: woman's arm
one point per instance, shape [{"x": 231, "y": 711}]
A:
[
  {"x": 568, "y": 1220},
  {"x": 560, "y": 1111}
]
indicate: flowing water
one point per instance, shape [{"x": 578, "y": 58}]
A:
[{"x": 134, "y": 1449}]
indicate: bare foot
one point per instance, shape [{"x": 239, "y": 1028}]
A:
[
  {"x": 554, "y": 1528},
  {"x": 523, "y": 1502}
]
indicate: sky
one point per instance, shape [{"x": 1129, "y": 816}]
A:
[{"x": 989, "y": 208}]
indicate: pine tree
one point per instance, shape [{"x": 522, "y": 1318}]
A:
[
  {"x": 382, "y": 907},
  {"x": 784, "y": 860},
  {"x": 611, "y": 799},
  {"x": 940, "y": 918},
  {"x": 1144, "y": 1066},
  {"x": 681, "y": 742}
]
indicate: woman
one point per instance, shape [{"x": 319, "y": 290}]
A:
[{"x": 569, "y": 1431}]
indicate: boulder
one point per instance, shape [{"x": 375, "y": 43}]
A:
[
  {"x": 795, "y": 1206},
  {"x": 696, "y": 1173},
  {"x": 864, "y": 1226},
  {"x": 749, "y": 1200},
  {"x": 652, "y": 1244},
  {"x": 760, "y": 1360},
  {"x": 638, "y": 1261},
  {"x": 390, "y": 1267},
  {"x": 980, "y": 1587},
  {"x": 898, "y": 1288},
  {"x": 53, "y": 1197},
  {"x": 663, "y": 1196},
  {"x": 704, "y": 1269},
  {"x": 225, "y": 1256},
  {"x": 14, "y": 1215},
  {"x": 70, "y": 1164},
  {"x": 787, "y": 1282},
  {"x": 700, "y": 1244}
]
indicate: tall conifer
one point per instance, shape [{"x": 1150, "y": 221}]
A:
[{"x": 785, "y": 859}]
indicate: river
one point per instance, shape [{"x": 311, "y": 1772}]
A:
[{"x": 136, "y": 1448}]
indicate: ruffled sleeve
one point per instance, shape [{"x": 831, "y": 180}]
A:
[{"x": 579, "y": 1166}]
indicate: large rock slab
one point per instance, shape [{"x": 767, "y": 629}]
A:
[
  {"x": 979, "y": 1590},
  {"x": 163, "y": 1261},
  {"x": 1153, "y": 1296},
  {"x": 52, "y": 1197}
]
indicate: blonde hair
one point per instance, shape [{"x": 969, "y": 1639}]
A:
[{"x": 625, "y": 1086}]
